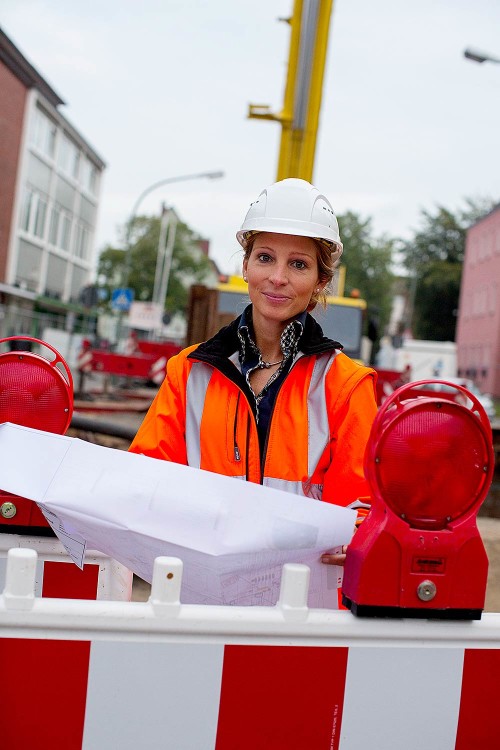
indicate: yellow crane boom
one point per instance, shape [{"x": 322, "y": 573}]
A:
[{"x": 299, "y": 117}]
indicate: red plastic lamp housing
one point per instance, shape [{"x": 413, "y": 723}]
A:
[
  {"x": 429, "y": 462},
  {"x": 37, "y": 392}
]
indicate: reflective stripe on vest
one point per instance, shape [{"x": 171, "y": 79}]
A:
[
  {"x": 196, "y": 391},
  {"x": 318, "y": 430},
  {"x": 314, "y": 491}
]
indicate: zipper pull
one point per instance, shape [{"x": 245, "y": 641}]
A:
[{"x": 237, "y": 454}]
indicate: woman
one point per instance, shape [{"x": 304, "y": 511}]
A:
[{"x": 269, "y": 399}]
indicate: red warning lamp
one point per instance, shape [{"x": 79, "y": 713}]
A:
[
  {"x": 429, "y": 462},
  {"x": 35, "y": 391}
]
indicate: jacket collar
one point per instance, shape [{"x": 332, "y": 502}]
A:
[
  {"x": 226, "y": 342},
  {"x": 289, "y": 340}
]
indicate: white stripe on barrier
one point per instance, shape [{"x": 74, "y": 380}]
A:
[
  {"x": 84, "y": 361},
  {"x": 157, "y": 371},
  {"x": 173, "y": 687},
  {"x": 68, "y": 618},
  {"x": 405, "y": 697}
]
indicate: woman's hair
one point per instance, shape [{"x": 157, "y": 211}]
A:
[{"x": 328, "y": 257}]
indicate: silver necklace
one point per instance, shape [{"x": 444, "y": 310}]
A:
[{"x": 267, "y": 365}]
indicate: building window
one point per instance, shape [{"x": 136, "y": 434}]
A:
[
  {"x": 33, "y": 213},
  {"x": 27, "y": 209},
  {"x": 89, "y": 176},
  {"x": 28, "y": 265},
  {"x": 65, "y": 194},
  {"x": 66, "y": 232},
  {"x": 78, "y": 281},
  {"x": 68, "y": 157},
  {"x": 76, "y": 163},
  {"x": 56, "y": 276},
  {"x": 55, "y": 217},
  {"x": 40, "y": 213},
  {"x": 60, "y": 228},
  {"x": 82, "y": 242},
  {"x": 87, "y": 211},
  {"x": 43, "y": 134}
]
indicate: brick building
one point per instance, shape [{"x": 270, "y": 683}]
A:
[
  {"x": 49, "y": 195},
  {"x": 478, "y": 327}
]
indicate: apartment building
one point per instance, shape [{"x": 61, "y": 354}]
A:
[
  {"x": 50, "y": 179},
  {"x": 478, "y": 326}
]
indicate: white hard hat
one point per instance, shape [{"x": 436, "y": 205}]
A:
[{"x": 292, "y": 206}]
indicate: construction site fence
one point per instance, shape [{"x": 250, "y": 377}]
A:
[{"x": 164, "y": 674}]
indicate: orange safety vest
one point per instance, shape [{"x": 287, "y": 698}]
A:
[{"x": 202, "y": 416}]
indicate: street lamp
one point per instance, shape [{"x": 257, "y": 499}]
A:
[
  {"x": 147, "y": 191},
  {"x": 480, "y": 57}
]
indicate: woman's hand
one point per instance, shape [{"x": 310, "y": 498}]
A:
[{"x": 335, "y": 558}]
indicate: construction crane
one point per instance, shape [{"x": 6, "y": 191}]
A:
[{"x": 299, "y": 118}]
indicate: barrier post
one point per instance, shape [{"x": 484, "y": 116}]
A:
[
  {"x": 293, "y": 591},
  {"x": 166, "y": 586},
  {"x": 19, "y": 592}
]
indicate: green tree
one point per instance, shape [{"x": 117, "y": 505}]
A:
[
  {"x": 434, "y": 259},
  {"x": 137, "y": 268},
  {"x": 368, "y": 262}
]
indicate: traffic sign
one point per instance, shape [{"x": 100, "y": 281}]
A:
[
  {"x": 146, "y": 316},
  {"x": 121, "y": 299}
]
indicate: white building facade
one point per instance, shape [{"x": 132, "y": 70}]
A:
[
  {"x": 51, "y": 249},
  {"x": 51, "y": 180}
]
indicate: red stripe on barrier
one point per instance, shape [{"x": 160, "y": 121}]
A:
[
  {"x": 64, "y": 580},
  {"x": 277, "y": 697},
  {"x": 45, "y": 685},
  {"x": 479, "y": 719},
  {"x": 47, "y": 680}
]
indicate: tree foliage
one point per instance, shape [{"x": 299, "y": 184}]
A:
[
  {"x": 368, "y": 262},
  {"x": 136, "y": 268},
  {"x": 434, "y": 259}
]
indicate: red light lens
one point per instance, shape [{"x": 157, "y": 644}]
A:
[
  {"x": 430, "y": 462},
  {"x": 33, "y": 393}
]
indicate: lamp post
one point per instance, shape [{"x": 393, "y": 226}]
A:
[
  {"x": 147, "y": 191},
  {"x": 168, "y": 229},
  {"x": 479, "y": 57}
]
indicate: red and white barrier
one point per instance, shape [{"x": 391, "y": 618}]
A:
[
  {"x": 171, "y": 676},
  {"x": 84, "y": 361},
  {"x": 157, "y": 371},
  {"x": 57, "y": 576}
]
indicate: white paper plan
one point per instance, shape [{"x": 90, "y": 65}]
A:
[{"x": 232, "y": 536}]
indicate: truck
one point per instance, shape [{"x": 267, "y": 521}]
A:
[{"x": 427, "y": 359}]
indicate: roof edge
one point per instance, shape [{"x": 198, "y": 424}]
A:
[
  {"x": 496, "y": 207},
  {"x": 24, "y": 71}
]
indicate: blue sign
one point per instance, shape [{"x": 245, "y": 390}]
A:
[{"x": 121, "y": 299}]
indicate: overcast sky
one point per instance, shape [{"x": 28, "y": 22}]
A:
[{"x": 160, "y": 88}]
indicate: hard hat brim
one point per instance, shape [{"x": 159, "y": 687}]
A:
[{"x": 243, "y": 235}]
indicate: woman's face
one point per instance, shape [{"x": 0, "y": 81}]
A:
[{"x": 282, "y": 274}]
